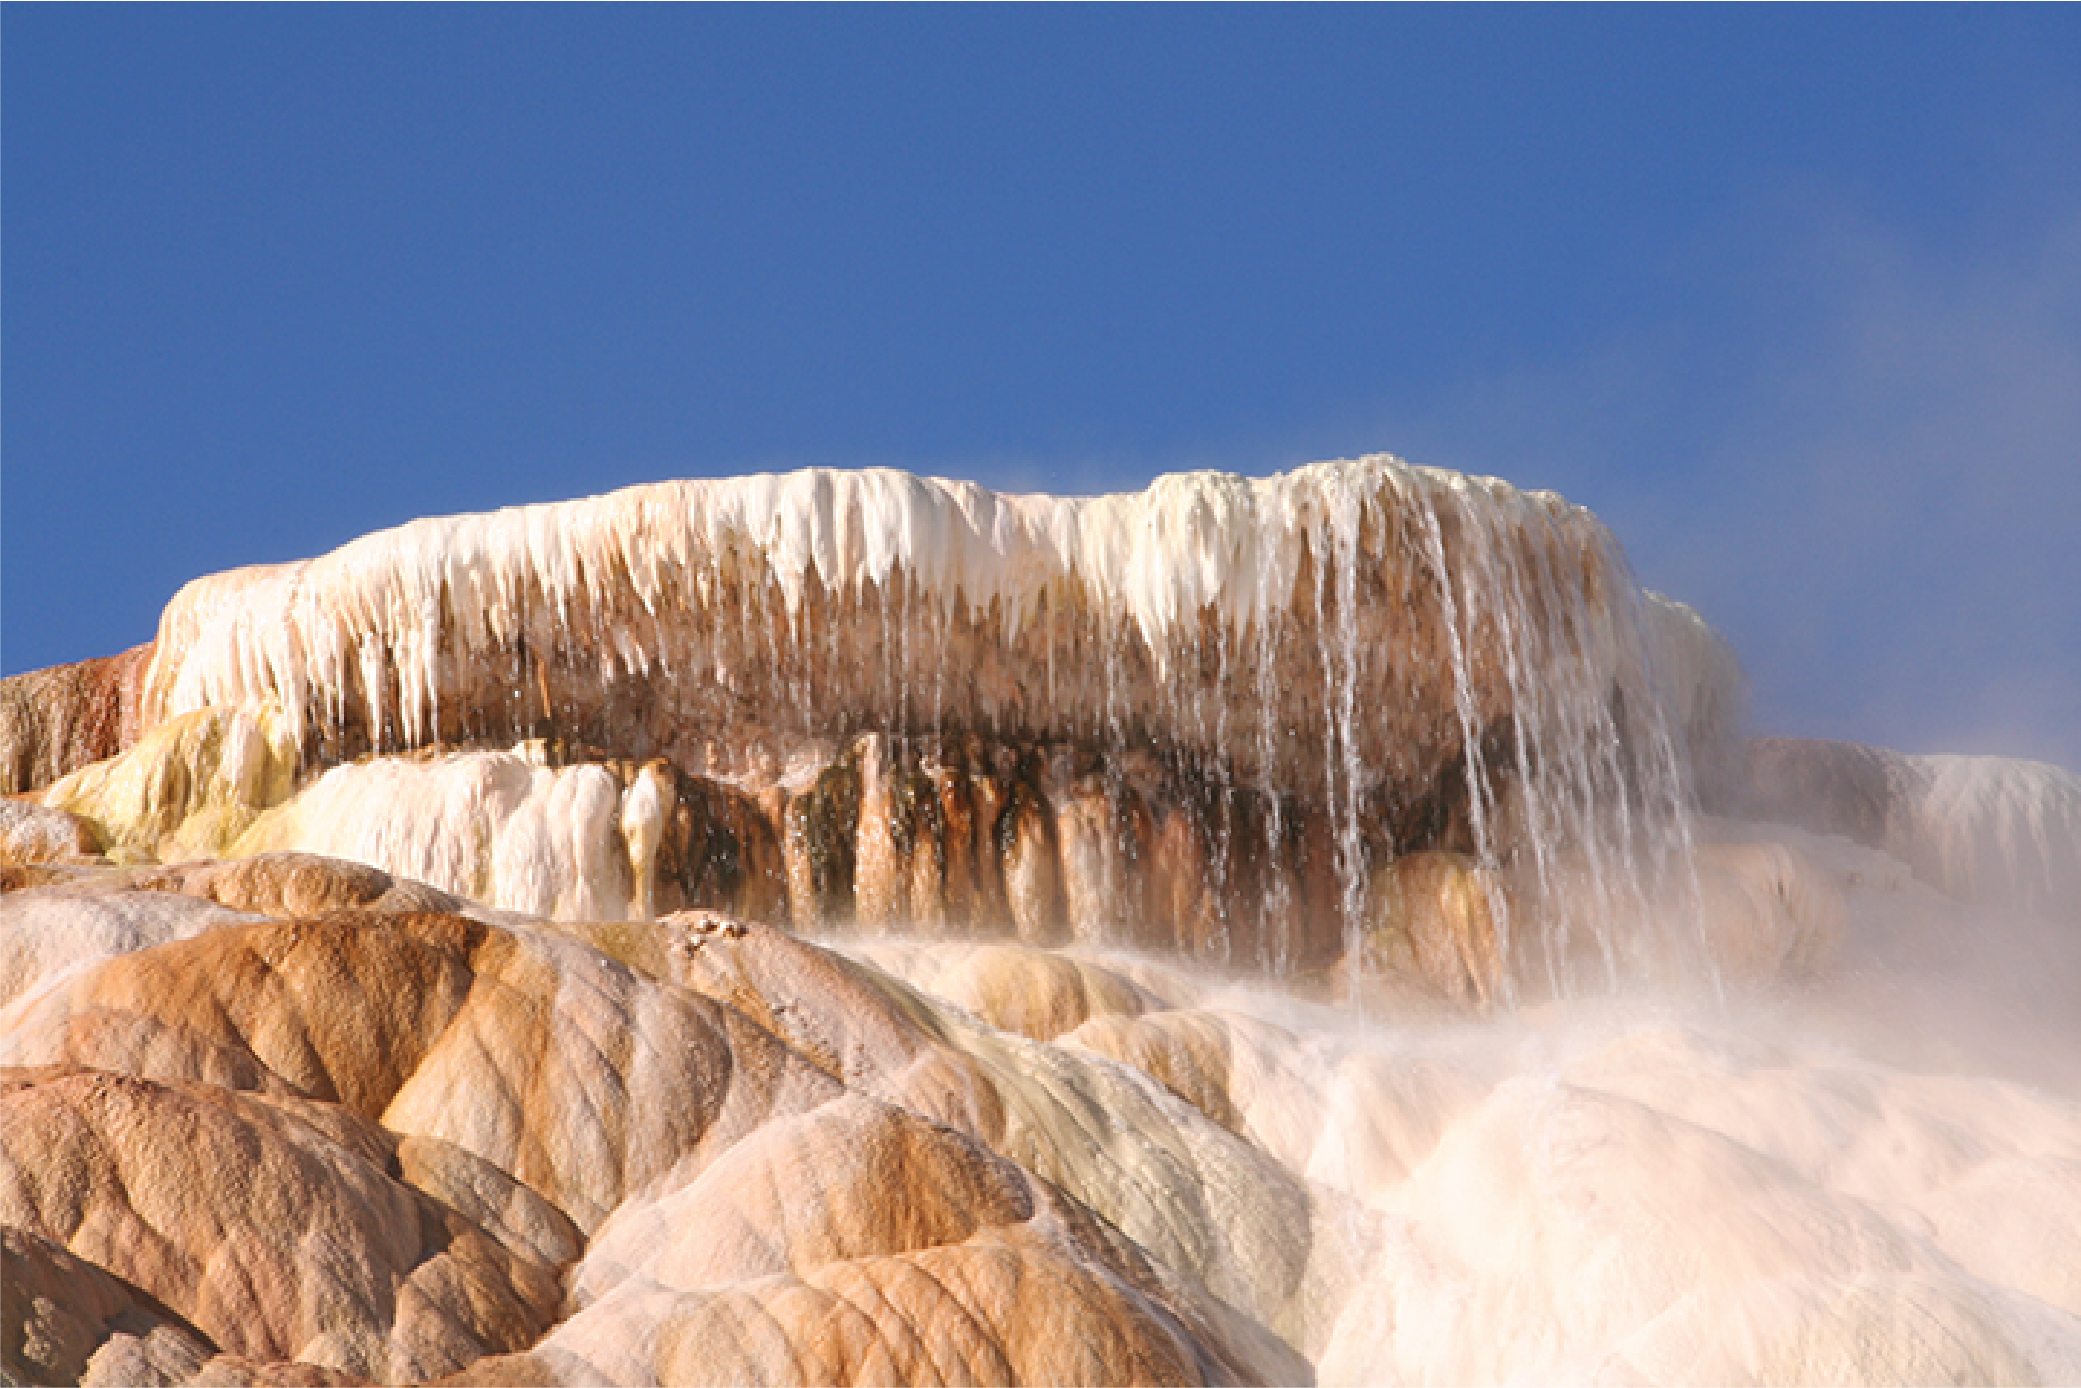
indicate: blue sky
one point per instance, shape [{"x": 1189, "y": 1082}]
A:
[{"x": 1792, "y": 298}]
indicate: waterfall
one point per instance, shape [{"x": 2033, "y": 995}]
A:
[{"x": 1313, "y": 674}]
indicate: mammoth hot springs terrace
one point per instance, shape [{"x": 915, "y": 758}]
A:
[{"x": 853, "y": 927}]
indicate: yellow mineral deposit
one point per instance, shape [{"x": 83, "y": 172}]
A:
[{"x": 191, "y": 786}]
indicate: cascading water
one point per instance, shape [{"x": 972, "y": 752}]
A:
[
  {"x": 1480, "y": 793},
  {"x": 1329, "y": 669}
]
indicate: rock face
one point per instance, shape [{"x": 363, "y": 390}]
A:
[
  {"x": 1201, "y": 719},
  {"x": 810, "y": 930},
  {"x": 269, "y": 1227},
  {"x": 52, "y": 722},
  {"x": 819, "y": 603},
  {"x": 872, "y": 698},
  {"x": 69, "y": 1321},
  {"x": 188, "y": 785},
  {"x": 31, "y": 834}
]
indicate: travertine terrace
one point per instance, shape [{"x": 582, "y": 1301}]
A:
[
  {"x": 859, "y": 928},
  {"x": 1202, "y": 717}
]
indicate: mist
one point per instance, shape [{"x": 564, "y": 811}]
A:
[{"x": 1867, "y": 473}]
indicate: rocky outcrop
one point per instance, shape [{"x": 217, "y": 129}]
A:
[
  {"x": 958, "y": 838},
  {"x": 71, "y": 1321},
  {"x": 759, "y": 611},
  {"x": 1200, "y": 719},
  {"x": 188, "y": 786},
  {"x": 370, "y": 1139},
  {"x": 55, "y": 721},
  {"x": 270, "y": 1226},
  {"x": 809, "y": 930},
  {"x": 369, "y": 1143},
  {"x": 292, "y": 885},
  {"x": 1435, "y": 919},
  {"x": 780, "y": 1265},
  {"x": 48, "y": 929}
]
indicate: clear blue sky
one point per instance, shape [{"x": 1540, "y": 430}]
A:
[{"x": 1791, "y": 297}]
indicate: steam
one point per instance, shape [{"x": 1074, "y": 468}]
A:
[{"x": 1875, "y": 504}]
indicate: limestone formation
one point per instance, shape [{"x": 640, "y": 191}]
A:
[
  {"x": 859, "y": 1242},
  {"x": 1211, "y": 1209},
  {"x": 655, "y": 618},
  {"x": 1152, "y": 719},
  {"x": 292, "y": 885},
  {"x": 857, "y": 928},
  {"x": 875, "y": 702},
  {"x": 68, "y": 1320},
  {"x": 1437, "y": 920},
  {"x": 367, "y": 1141},
  {"x": 718, "y": 850},
  {"x": 55, "y": 928},
  {"x": 269, "y": 1226},
  {"x": 1035, "y": 992},
  {"x": 190, "y": 786}
]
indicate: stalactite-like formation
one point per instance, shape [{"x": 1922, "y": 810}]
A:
[{"x": 1204, "y": 715}]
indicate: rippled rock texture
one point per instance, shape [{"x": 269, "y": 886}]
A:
[
  {"x": 393, "y": 1142},
  {"x": 294, "y": 1120}
]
